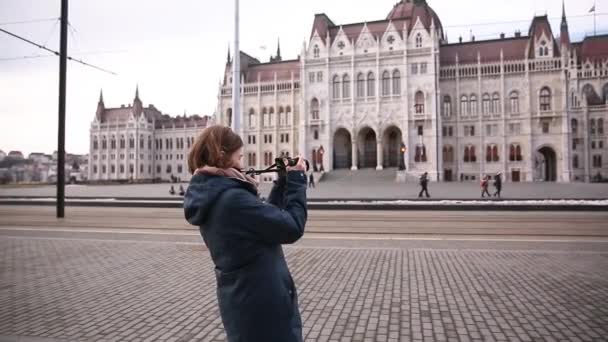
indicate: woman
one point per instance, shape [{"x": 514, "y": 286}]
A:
[{"x": 256, "y": 293}]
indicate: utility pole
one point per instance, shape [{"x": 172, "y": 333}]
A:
[
  {"x": 236, "y": 74},
  {"x": 63, "y": 53}
]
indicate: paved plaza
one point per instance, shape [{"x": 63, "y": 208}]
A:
[
  {"x": 82, "y": 289},
  {"x": 346, "y": 184}
]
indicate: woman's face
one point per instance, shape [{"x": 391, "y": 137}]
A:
[{"x": 235, "y": 159}]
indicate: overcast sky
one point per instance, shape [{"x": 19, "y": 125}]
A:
[{"x": 176, "y": 51}]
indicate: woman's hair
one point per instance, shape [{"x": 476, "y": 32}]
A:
[{"x": 209, "y": 145}]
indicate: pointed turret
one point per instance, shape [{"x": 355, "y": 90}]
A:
[
  {"x": 228, "y": 60},
  {"x": 564, "y": 34},
  {"x": 278, "y": 57},
  {"x": 100, "y": 106},
  {"x": 137, "y": 105}
]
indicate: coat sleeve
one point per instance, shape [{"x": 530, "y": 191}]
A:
[
  {"x": 268, "y": 223},
  {"x": 277, "y": 194}
]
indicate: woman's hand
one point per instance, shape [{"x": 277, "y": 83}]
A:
[{"x": 300, "y": 166}]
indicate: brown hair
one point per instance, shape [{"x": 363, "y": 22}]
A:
[{"x": 209, "y": 145}]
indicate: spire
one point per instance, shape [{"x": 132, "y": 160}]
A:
[
  {"x": 564, "y": 34},
  {"x": 228, "y": 59},
  {"x": 278, "y": 48},
  {"x": 137, "y": 92},
  {"x": 101, "y": 96},
  {"x": 137, "y": 105},
  {"x": 100, "y": 107}
]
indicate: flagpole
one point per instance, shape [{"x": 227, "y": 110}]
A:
[
  {"x": 236, "y": 74},
  {"x": 594, "y": 23}
]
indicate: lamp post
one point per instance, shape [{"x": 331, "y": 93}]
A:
[
  {"x": 402, "y": 157},
  {"x": 321, "y": 152}
]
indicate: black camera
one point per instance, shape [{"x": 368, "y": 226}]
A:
[{"x": 285, "y": 162}]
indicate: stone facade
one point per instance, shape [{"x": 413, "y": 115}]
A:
[
  {"x": 394, "y": 91},
  {"x": 140, "y": 143}
]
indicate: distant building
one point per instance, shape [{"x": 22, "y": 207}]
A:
[
  {"x": 39, "y": 158},
  {"x": 140, "y": 143},
  {"x": 533, "y": 106},
  {"x": 2, "y": 155}
]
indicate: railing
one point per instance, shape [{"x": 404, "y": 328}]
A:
[{"x": 268, "y": 87}]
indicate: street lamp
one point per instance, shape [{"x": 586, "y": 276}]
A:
[
  {"x": 402, "y": 157},
  {"x": 321, "y": 152}
]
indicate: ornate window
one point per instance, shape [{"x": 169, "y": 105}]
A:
[
  {"x": 264, "y": 117},
  {"x": 346, "y": 87},
  {"x": 314, "y": 109},
  {"x": 574, "y": 126},
  {"x": 464, "y": 104},
  {"x": 386, "y": 83},
  {"x": 419, "y": 102},
  {"x": 473, "y": 105},
  {"x": 104, "y": 143},
  {"x": 418, "y": 40},
  {"x": 592, "y": 126},
  {"x": 360, "y": 85},
  {"x": 396, "y": 82},
  {"x": 545, "y": 99},
  {"x": 420, "y": 156},
  {"x": 514, "y": 102},
  {"x": 485, "y": 104},
  {"x": 495, "y": 103},
  {"x": 447, "y": 106},
  {"x": 371, "y": 84},
  {"x": 600, "y": 126},
  {"x": 448, "y": 154},
  {"x": 251, "y": 118},
  {"x": 316, "y": 51},
  {"x": 336, "y": 87},
  {"x": 271, "y": 116}
]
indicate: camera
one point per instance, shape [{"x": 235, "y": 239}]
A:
[{"x": 285, "y": 162}]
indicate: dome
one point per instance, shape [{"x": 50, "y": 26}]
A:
[{"x": 414, "y": 9}]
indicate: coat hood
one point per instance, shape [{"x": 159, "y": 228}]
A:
[{"x": 204, "y": 191}]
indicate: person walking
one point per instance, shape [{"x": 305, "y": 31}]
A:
[
  {"x": 181, "y": 190},
  {"x": 311, "y": 181},
  {"x": 485, "y": 183},
  {"x": 424, "y": 182},
  {"x": 498, "y": 185},
  {"x": 172, "y": 190},
  {"x": 256, "y": 293}
]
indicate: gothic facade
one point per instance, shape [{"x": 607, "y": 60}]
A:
[
  {"x": 382, "y": 93},
  {"x": 140, "y": 143}
]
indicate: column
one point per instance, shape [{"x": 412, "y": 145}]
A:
[
  {"x": 379, "y": 155},
  {"x": 355, "y": 157}
]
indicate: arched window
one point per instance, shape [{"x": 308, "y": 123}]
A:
[
  {"x": 251, "y": 118},
  {"x": 473, "y": 105},
  {"x": 518, "y": 155},
  {"x": 485, "y": 107},
  {"x": 281, "y": 114},
  {"x": 141, "y": 141},
  {"x": 495, "y": 103},
  {"x": 545, "y": 99},
  {"x": 419, "y": 102},
  {"x": 511, "y": 152},
  {"x": 316, "y": 51},
  {"x": 95, "y": 143},
  {"x": 495, "y": 156},
  {"x": 396, "y": 82},
  {"x": 336, "y": 88},
  {"x": 314, "y": 109},
  {"x": 104, "y": 143},
  {"x": 448, "y": 154},
  {"x": 473, "y": 156},
  {"x": 600, "y": 126},
  {"x": 271, "y": 116},
  {"x": 592, "y": 126},
  {"x": 574, "y": 126},
  {"x": 386, "y": 83},
  {"x": 150, "y": 142},
  {"x": 418, "y": 40},
  {"x": 346, "y": 87},
  {"x": 113, "y": 142},
  {"x": 360, "y": 85},
  {"x": 123, "y": 142},
  {"x": 464, "y": 103},
  {"x": 371, "y": 84},
  {"x": 447, "y": 106},
  {"x": 288, "y": 115},
  {"x": 264, "y": 117},
  {"x": 467, "y": 154},
  {"x": 488, "y": 153},
  {"x": 514, "y": 102}
]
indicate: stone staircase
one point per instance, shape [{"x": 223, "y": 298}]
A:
[{"x": 364, "y": 176}]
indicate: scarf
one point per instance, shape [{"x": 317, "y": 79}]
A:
[{"x": 230, "y": 173}]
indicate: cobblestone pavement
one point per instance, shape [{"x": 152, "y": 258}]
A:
[{"x": 94, "y": 290}]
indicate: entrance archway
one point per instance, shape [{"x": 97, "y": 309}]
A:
[
  {"x": 546, "y": 164},
  {"x": 366, "y": 142},
  {"x": 342, "y": 149},
  {"x": 391, "y": 142}
]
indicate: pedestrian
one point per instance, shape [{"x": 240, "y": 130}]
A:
[
  {"x": 498, "y": 184},
  {"x": 485, "y": 183},
  {"x": 424, "y": 182},
  {"x": 311, "y": 181},
  {"x": 256, "y": 294},
  {"x": 172, "y": 190},
  {"x": 181, "y": 190}
]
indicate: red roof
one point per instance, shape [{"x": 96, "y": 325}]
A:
[
  {"x": 595, "y": 47},
  {"x": 414, "y": 10},
  {"x": 489, "y": 50},
  {"x": 266, "y": 71}
]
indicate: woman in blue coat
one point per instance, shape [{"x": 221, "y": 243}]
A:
[{"x": 256, "y": 293}]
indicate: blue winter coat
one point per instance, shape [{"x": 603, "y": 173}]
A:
[{"x": 256, "y": 293}]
